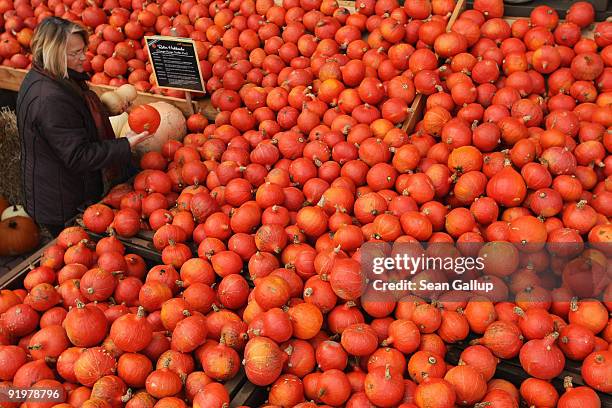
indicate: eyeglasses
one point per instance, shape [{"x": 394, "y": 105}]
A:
[{"x": 77, "y": 53}]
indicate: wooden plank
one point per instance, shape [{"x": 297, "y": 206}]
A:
[
  {"x": 459, "y": 8},
  {"x": 11, "y": 78},
  {"x": 235, "y": 384},
  {"x": 416, "y": 111}
]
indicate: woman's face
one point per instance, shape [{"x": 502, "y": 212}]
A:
[{"x": 75, "y": 52}]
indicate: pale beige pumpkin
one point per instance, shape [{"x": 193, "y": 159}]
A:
[{"x": 173, "y": 126}]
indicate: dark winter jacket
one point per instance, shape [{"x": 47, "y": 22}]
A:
[{"x": 62, "y": 155}]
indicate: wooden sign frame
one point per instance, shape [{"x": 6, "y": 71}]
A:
[{"x": 177, "y": 40}]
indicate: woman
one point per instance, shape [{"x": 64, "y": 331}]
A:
[{"x": 68, "y": 148}]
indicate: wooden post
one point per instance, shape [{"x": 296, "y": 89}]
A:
[{"x": 189, "y": 102}]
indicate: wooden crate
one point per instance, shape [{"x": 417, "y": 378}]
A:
[
  {"x": 11, "y": 78},
  {"x": 603, "y": 9},
  {"x": 420, "y": 101},
  {"x": 512, "y": 370},
  {"x": 14, "y": 278},
  {"x": 240, "y": 389}
]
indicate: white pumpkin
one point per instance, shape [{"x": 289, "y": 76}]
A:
[
  {"x": 13, "y": 211},
  {"x": 173, "y": 126},
  {"x": 127, "y": 92},
  {"x": 113, "y": 101},
  {"x": 118, "y": 122}
]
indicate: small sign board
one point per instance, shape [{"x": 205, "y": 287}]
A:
[{"x": 175, "y": 63}]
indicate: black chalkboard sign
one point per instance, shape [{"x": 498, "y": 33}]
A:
[{"x": 175, "y": 63}]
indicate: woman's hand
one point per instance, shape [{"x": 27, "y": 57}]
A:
[{"x": 136, "y": 138}]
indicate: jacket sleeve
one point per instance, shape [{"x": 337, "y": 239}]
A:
[{"x": 61, "y": 126}]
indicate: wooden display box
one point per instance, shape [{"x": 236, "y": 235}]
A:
[
  {"x": 11, "y": 78},
  {"x": 240, "y": 389},
  {"x": 602, "y": 7},
  {"x": 512, "y": 371}
]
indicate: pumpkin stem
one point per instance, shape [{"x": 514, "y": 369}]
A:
[
  {"x": 567, "y": 383},
  {"x": 574, "y": 304},
  {"x": 127, "y": 396},
  {"x": 517, "y": 310},
  {"x": 550, "y": 339},
  {"x": 432, "y": 360},
  {"x": 79, "y": 304},
  {"x": 476, "y": 342},
  {"x": 141, "y": 312},
  {"x": 387, "y": 372},
  {"x": 186, "y": 313}
]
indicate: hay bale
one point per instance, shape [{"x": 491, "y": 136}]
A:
[{"x": 10, "y": 158}]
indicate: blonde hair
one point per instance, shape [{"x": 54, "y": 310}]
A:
[{"x": 49, "y": 44}]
